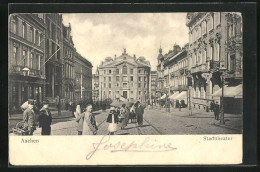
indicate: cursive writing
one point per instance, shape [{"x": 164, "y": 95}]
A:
[{"x": 144, "y": 146}]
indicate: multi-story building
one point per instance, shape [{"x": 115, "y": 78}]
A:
[
  {"x": 69, "y": 53},
  {"x": 211, "y": 38},
  {"x": 160, "y": 74},
  {"x": 26, "y": 61},
  {"x": 54, "y": 55},
  {"x": 83, "y": 79},
  {"x": 176, "y": 71},
  {"x": 124, "y": 76},
  {"x": 95, "y": 86},
  {"x": 154, "y": 78}
]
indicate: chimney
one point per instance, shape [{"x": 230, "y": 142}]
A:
[
  {"x": 115, "y": 57},
  {"x": 134, "y": 57}
]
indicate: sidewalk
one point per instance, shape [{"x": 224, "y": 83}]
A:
[
  {"x": 232, "y": 121},
  {"x": 64, "y": 114}
]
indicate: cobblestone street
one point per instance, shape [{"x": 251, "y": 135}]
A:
[{"x": 157, "y": 122}]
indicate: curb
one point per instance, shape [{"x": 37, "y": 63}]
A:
[{"x": 224, "y": 126}]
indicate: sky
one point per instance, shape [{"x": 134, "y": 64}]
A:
[{"x": 100, "y": 35}]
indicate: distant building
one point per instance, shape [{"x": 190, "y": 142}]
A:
[
  {"x": 26, "y": 59},
  {"x": 83, "y": 78},
  {"x": 154, "y": 78},
  {"x": 215, "y": 40},
  {"x": 124, "y": 76},
  {"x": 95, "y": 86}
]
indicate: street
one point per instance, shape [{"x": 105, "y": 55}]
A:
[{"x": 157, "y": 122}]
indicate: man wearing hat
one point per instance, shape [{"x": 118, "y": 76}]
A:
[
  {"x": 216, "y": 111},
  {"x": 139, "y": 112},
  {"x": 29, "y": 118},
  {"x": 45, "y": 120}
]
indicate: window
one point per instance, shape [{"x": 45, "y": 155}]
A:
[
  {"x": 117, "y": 84},
  {"x": 37, "y": 62},
  {"x": 109, "y": 85},
  {"x": 109, "y": 78},
  {"x": 117, "y": 71},
  {"x": 24, "y": 30},
  {"x": 110, "y": 71},
  {"x": 31, "y": 60},
  {"x": 144, "y": 85},
  {"x": 132, "y": 78},
  {"x": 117, "y": 78},
  {"x": 144, "y": 78},
  {"x": 124, "y": 69},
  {"x": 32, "y": 34},
  {"x": 211, "y": 53},
  {"x": 104, "y": 86},
  {"x": 139, "y": 71},
  {"x": 109, "y": 93},
  {"x": 124, "y": 85},
  {"x": 210, "y": 23},
  {"x": 204, "y": 56},
  {"x": 139, "y": 92},
  {"x": 131, "y": 71},
  {"x": 24, "y": 58},
  {"x": 139, "y": 85},
  {"x": 104, "y": 79},
  {"x": 132, "y": 92},
  {"x": 216, "y": 19},
  {"x": 232, "y": 62},
  {"x": 125, "y": 78},
  {"x": 139, "y": 78},
  {"x": 15, "y": 55},
  {"x": 217, "y": 53},
  {"x": 14, "y": 25},
  {"x": 104, "y": 71},
  {"x": 203, "y": 28}
]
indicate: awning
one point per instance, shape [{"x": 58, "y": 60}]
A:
[
  {"x": 174, "y": 95},
  {"x": 181, "y": 96},
  {"x": 230, "y": 91},
  {"x": 163, "y": 97}
]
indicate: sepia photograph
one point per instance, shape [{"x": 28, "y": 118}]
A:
[
  {"x": 91, "y": 86},
  {"x": 125, "y": 73}
]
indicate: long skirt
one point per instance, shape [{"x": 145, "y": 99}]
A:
[{"x": 46, "y": 130}]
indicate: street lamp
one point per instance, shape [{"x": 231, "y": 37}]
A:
[{"x": 222, "y": 70}]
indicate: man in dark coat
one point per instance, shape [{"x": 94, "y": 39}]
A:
[
  {"x": 139, "y": 112},
  {"x": 212, "y": 105},
  {"x": 45, "y": 120},
  {"x": 216, "y": 111},
  {"x": 29, "y": 119}
]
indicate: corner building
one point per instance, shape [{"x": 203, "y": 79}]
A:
[
  {"x": 209, "y": 50},
  {"x": 124, "y": 76},
  {"x": 26, "y": 57}
]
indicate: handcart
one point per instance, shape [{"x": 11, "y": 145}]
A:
[{"x": 20, "y": 130}]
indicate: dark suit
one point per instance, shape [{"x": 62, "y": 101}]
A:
[
  {"x": 45, "y": 120},
  {"x": 216, "y": 111},
  {"x": 139, "y": 112}
]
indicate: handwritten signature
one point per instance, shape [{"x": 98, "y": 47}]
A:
[{"x": 145, "y": 146}]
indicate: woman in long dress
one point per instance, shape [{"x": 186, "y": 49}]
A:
[
  {"x": 112, "y": 119},
  {"x": 89, "y": 123}
]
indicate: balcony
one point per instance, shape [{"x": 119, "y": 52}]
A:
[
  {"x": 199, "y": 68},
  {"x": 214, "y": 65},
  {"x": 32, "y": 72}
]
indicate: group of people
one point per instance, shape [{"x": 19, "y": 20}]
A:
[
  {"x": 34, "y": 115},
  {"x": 215, "y": 108},
  {"x": 118, "y": 117}
]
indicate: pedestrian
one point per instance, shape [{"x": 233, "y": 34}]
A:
[
  {"x": 123, "y": 116},
  {"x": 132, "y": 113},
  {"x": 58, "y": 105},
  {"x": 79, "y": 119},
  {"x": 89, "y": 122},
  {"x": 112, "y": 119},
  {"x": 216, "y": 111},
  {"x": 29, "y": 118},
  {"x": 139, "y": 113},
  {"x": 127, "y": 113},
  {"x": 45, "y": 120},
  {"x": 212, "y": 105}
]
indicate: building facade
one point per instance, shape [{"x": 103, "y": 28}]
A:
[
  {"x": 154, "y": 78},
  {"x": 124, "y": 76},
  {"x": 69, "y": 55},
  {"x": 95, "y": 86},
  {"x": 26, "y": 68},
  {"x": 83, "y": 79},
  {"x": 54, "y": 56},
  {"x": 210, "y": 36}
]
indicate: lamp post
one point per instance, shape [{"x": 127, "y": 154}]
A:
[{"x": 222, "y": 70}]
